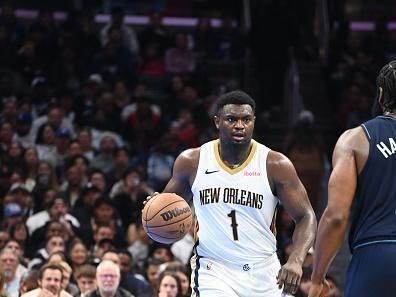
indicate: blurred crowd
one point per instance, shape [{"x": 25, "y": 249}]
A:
[{"x": 91, "y": 120}]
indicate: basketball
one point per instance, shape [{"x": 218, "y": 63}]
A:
[{"x": 166, "y": 218}]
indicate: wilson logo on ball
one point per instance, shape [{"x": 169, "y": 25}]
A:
[{"x": 168, "y": 215}]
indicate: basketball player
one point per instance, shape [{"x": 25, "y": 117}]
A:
[
  {"x": 364, "y": 170},
  {"x": 236, "y": 184}
]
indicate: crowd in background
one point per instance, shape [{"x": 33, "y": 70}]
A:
[{"x": 92, "y": 118}]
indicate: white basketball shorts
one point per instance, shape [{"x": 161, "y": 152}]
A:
[{"x": 214, "y": 279}]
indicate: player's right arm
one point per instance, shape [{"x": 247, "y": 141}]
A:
[
  {"x": 347, "y": 163},
  {"x": 184, "y": 171}
]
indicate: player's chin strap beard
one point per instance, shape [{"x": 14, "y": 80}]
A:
[{"x": 235, "y": 165}]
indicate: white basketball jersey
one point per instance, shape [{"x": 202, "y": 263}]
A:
[{"x": 234, "y": 207}]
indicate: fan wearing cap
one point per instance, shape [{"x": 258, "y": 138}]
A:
[
  {"x": 21, "y": 194},
  {"x": 23, "y": 128},
  {"x": 63, "y": 138},
  {"x": 12, "y": 213}
]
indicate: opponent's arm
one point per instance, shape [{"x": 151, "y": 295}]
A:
[
  {"x": 332, "y": 226},
  {"x": 292, "y": 194}
]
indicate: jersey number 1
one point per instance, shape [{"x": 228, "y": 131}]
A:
[{"x": 234, "y": 224}]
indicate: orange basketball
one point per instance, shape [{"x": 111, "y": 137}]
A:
[{"x": 166, "y": 218}]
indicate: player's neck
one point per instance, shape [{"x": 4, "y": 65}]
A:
[
  {"x": 234, "y": 155},
  {"x": 390, "y": 114}
]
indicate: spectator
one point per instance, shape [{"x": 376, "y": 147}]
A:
[
  {"x": 46, "y": 176},
  {"x": 29, "y": 282},
  {"x": 152, "y": 268},
  {"x": 104, "y": 160},
  {"x": 57, "y": 210},
  {"x": 128, "y": 36},
  {"x": 161, "y": 251},
  {"x": 53, "y": 244},
  {"x": 143, "y": 123},
  {"x": 62, "y": 142},
  {"x": 98, "y": 178},
  {"x": 50, "y": 282},
  {"x": 85, "y": 140},
  {"x": 23, "y": 128},
  {"x": 108, "y": 279},
  {"x": 139, "y": 247},
  {"x": 45, "y": 143},
  {"x": 56, "y": 118},
  {"x": 4, "y": 237},
  {"x": 9, "y": 264},
  {"x": 159, "y": 164},
  {"x": 72, "y": 188},
  {"x": 12, "y": 214},
  {"x": 169, "y": 285},
  {"x": 128, "y": 195},
  {"x": 122, "y": 163},
  {"x": 304, "y": 147},
  {"x": 154, "y": 35},
  {"x": 86, "y": 280},
  {"x": 67, "y": 271},
  {"x": 133, "y": 282},
  {"x": 179, "y": 59},
  {"x": 18, "y": 251},
  {"x": 103, "y": 239},
  {"x": 19, "y": 232},
  {"x": 77, "y": 253},
  {"x": 104, "y": 213},
  {"x": 7, "y": 135},
  {"x": 81, "y": 164},
  {"x": 228, "y": 42},
  {"x": 31, "y": 159},
  {"x": 203, "y": 37}
]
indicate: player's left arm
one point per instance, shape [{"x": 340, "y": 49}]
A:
[{"x": 293, "y": 196}]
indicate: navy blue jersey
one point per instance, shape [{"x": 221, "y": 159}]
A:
[{"x": 374, "y": 217}]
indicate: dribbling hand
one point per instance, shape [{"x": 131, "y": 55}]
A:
[
  {"x": 289, "y": 277},
  {"x": 149, "y": 197}
]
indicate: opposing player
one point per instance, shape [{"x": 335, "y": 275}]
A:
[
  {"x": 364, "y": 170},
  {"x": 236, "y": 184}
]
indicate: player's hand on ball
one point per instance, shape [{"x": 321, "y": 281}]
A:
[
  {"x": 289, "y": 277},
  {"x": 150, "y": 197}
]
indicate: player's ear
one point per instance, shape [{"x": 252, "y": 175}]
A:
[
  {"x": 380, "y": 96},
  {"x": 216, "y": 120}
]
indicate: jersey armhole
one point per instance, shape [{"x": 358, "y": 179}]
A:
[
  {"x": 198, "y": 170},
  {"x": 366, "y": 131}
]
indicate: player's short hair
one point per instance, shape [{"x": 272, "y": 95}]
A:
[
  {"x": 386, "y": 79},
  {"x": 237, "y": 97}
]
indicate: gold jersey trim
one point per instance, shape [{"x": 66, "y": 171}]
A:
[{"x": 239, "y": 168}]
